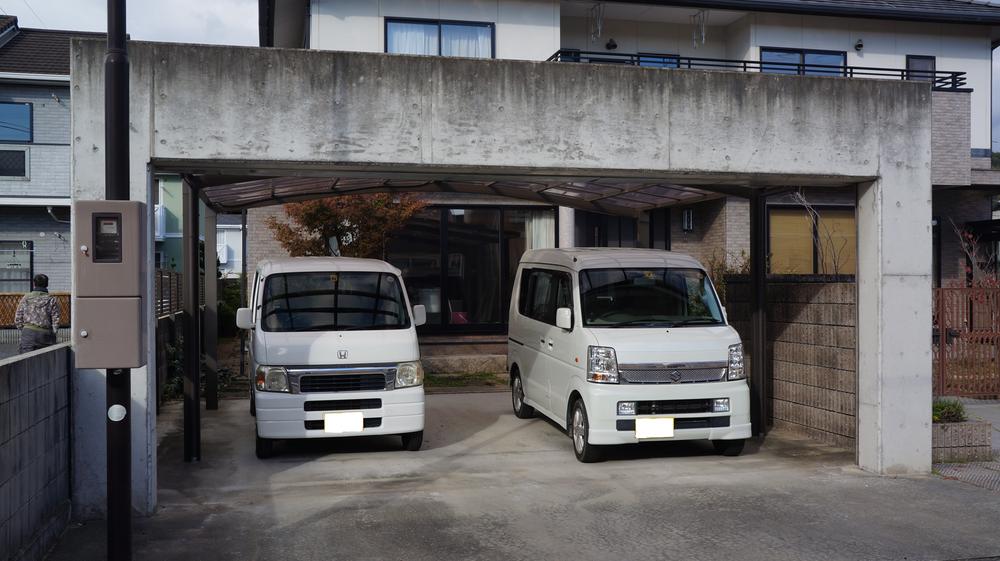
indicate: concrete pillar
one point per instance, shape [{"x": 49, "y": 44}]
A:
[
  {"x": 567, "y": 227},
  {"x": 210, "y": 315},
  {"x": 894, "y": 322}
]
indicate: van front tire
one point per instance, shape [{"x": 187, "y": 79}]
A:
[
  {"x": 579, "y": 432},
  {"x": 264, "y": 448},
  {"x": 413, "y": 441},
  {"x": 521, "y": 409},
  {"x": 729, "y": 447}
]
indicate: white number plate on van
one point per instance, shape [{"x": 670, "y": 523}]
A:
[
  {"x": 348, "y": 421},
  {"x": 654, "y": 427}
]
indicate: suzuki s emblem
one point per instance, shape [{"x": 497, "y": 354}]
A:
[
  {"x": 342, "y": 355},
  {"x": 675, "y": 376}
]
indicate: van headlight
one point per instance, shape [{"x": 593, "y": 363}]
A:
[
  {"x": 409, "y": 374},
  {"x": 602, "y": 365},
  {"x": 272, "y": 379},
  {"x": 736, "y": 370}
]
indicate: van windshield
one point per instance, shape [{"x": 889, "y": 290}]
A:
[
  {"x": 657, "y": 297},
  {"x": 333, "y": 301}
]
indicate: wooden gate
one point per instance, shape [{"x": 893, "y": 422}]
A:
[{"x": 967, "y": 342}]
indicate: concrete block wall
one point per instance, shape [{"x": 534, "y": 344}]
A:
[
  {"x": 51, "y": 253},
  {"x": 34, "y": 452},
  {"x": 951, "y": 152},
  {"x": 812, "y": 345}
]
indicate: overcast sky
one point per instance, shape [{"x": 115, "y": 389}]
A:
[{"x": 228, "y": 22}]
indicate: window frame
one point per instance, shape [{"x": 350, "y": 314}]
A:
[
  {"x": 931, "y": 58},
  {"x": 522, "y": 302},
  {"x": 801, "y": 69},
  {"x": 12, "y": 147},
  {"x": 439, "y": 22},
  {"x": 29, "y": 246},
  {"x": 815, "y": 231},
  {"x": 31, "y": 122}
]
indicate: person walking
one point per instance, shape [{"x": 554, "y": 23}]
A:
[{"x": 37, "y": 317}]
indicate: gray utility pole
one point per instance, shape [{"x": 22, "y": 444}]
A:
[{"x": 119, "y": 384}]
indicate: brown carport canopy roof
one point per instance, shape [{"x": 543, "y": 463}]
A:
[{"x": 612, "y": 196}]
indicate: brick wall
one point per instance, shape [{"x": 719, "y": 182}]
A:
[
  {"x": 951, "y": 154},
  {"x": 260, "y": 241},
  {"x": 812, "y": 346},
  {"x": 34, "y": 452},
  {"x": 707, "y": 241},
  {"x": 955, "y": 208},
  {"x": 52, "y": 253}
]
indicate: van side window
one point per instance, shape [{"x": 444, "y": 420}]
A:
[{"x": 542, "y": 292}]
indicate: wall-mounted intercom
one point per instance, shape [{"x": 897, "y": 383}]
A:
[{"x": 109, "y": 265}]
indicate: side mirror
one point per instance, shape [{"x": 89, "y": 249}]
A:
[
  {"x": 564, "y": 318},
  {"x": 419, "y": 315},
  {"x": 244, "y": 318}
]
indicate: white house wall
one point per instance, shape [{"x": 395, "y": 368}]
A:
[
  {"x": 525, "y": 29},
  {"x": 963, "y": 48},
  {"x": 643, "y": 37}
]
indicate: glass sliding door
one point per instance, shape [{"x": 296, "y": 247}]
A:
[
  {"x": 473, "y": 266},
  {"x": 416, "y": 251},
  {"x": 523, "y": 230}
]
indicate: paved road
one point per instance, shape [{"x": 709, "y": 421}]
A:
[{"x": 490, "y": 486}]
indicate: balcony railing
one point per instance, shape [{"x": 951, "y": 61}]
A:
[{"x": 940, "y": 80}]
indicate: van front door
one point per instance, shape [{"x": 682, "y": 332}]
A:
[{"x": 562, "y": 357}]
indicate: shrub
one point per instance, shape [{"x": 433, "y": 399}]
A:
[{"x": 948, "y": 411}]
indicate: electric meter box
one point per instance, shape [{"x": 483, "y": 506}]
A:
[{"x": 110, "y": 284}]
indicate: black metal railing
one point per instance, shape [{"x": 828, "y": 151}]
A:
[{"x": 940, "y": 80}]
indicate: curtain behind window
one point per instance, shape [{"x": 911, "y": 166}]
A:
[
  {"x": 411, "y": 38},
  {"x": 471, "y": 41}
]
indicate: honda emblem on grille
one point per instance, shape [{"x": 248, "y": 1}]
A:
[
  {"x": 342, "y": 355},
  {"x": 675, "y": 376}
]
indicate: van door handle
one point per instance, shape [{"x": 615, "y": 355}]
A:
[
  {"x": 550, "y": 343},
  {"x": 542, "y": 340}
]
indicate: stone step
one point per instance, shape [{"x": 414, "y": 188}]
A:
[{"x": 464, "y": 363}]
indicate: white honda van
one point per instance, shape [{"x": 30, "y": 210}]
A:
[
  {"x": 625, "y": 345},
  {"x": 333, "y": 351}
]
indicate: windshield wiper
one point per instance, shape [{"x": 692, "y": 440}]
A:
[
  {"x": 634, "y": 322},
  {"x": 692, "y": 321}
]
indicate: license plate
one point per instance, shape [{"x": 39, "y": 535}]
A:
[
  {"x": 339, "y": 423},
  {"x": 654, "y": 427}
]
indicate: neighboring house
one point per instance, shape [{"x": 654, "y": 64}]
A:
[
  {"x": 459, "y": 255},
  {"x": 169, "y": 231},
  {"x": 34, "y": 155}
]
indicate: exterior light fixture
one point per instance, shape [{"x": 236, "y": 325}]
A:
[
  {"x": 611, "y": 45},
  {"x": 859, "y": 45},
  {"x": 687, "y": 220}
]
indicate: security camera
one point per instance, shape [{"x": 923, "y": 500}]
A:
[
  {"x": 859, "y": 45},
  {"x": 612, "y": 45}
]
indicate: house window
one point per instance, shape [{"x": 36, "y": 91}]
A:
[
  {"x": 823, "y": 241},
  {"x": 658, "y": 61},
  {"x": 15, "y": 122},
  {"x": 445, "y": 38},
  {"x": 14, "y": 163},
  {"x": 15, "y": 266},
  {"x": 802, "y": 61},
  {"x": 920, "y": 68}
]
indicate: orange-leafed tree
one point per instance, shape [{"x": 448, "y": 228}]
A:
[{"x": 361, "y": 225}]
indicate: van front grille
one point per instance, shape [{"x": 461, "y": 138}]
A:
[
  {"x": 681, "y": 423},
  {"x": 348, "y": 382},
  {"x": 672, "y": 374},
  {"x": 342, "y": 404},
  {"x": 673, "y": 406}
]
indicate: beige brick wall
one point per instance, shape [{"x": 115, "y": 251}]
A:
[
  {"x": 708, "y": 239},
  {"x": 812, "y": 345},
  {"x": 260, "y": 242},
  {"x": 951, "y": 153}
]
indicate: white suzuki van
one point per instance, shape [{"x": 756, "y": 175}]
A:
[
  {"x": 625, "y": 345},
  {"x": 333, "y": 351}
]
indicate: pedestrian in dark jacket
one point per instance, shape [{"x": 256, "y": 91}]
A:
[{"x": 37, "y": 317}]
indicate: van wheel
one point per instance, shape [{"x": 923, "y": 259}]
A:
[
  {"x": 579, "y": 431},
  {"x": 729, "y": 447},
  {"x": 521, "y": 409},
  {"x": 265, "y": 448},
  {"x": 413, "y": 441}
]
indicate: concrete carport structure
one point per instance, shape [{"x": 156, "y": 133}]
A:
[{"x": 618, "y": 139}]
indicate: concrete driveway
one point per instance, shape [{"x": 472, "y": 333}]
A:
[{"x": 490, "y": 486}]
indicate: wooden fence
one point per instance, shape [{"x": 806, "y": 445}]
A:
[{"x": 168, "y": 293}]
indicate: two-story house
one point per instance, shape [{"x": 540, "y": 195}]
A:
[
  {"x": 459, "y": 254},
  {"x": 34, "y": 155}
]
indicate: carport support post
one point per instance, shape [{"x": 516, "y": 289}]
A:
[
  {"x": 210, "y": 317},
  {"x": 192, "y": 337},
  {"x": 758, "y": 313}
]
